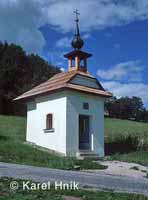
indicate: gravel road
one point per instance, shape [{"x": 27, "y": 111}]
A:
[{"x": 97, "y": 181}]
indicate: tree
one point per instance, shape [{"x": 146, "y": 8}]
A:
[
  {"x": 110, "y": 106},
  {"x": 145, "y": 115},
  {"x": 20, "y": 72},
  {"x": 125, "y": 108}
]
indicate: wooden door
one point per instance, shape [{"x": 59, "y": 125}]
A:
[{"x": 84, "y": 141}]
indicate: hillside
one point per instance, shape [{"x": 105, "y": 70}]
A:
[
  {"x": 15, "y": 128},
  {"x": 116, "y": 129},
  {"x": 14, "y": 149},
  {"x": 20, "y": 72},
  {"x": 121, "y": 136},
  {"x": 126, "y": 140}
]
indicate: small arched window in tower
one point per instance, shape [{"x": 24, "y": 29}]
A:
[
  {"x": 81, "y": 63},
  {"x": 49, "y": 123}
]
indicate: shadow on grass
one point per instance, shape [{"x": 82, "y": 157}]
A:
[
  {"x": 4, "y": 138},
  {"x": 122, "y": 145}
]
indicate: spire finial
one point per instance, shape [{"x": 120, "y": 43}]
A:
[
  {"x": 77, "y": 14},
  {"x": 77, "y": 42},
  {"x": 77, "y": 21}
]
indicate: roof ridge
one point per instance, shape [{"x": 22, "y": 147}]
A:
[{"x": 60, "y": 80}]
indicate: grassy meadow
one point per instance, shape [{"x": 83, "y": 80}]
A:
[
  {"x": 125, "y": 140},
  {"x": 117, "y": 129},
  {"x": 14, "y": 149}
]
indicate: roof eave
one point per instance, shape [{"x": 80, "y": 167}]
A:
[{"x": 28, "y": 98}]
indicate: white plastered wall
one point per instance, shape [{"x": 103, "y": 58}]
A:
[
  {"x": 75, "y": 102},
  {"x": 36, "y": 122}
]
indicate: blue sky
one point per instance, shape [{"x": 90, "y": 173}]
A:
[{"x": 115, "y": 32}]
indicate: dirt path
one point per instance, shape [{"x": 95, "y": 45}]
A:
[{"x": 117, "y": 168}]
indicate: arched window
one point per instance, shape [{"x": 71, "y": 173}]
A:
[{"x": 49, "y": 121}]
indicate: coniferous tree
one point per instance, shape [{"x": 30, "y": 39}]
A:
[{"x": 20, "y": 72}]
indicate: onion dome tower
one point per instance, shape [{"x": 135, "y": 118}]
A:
[
  {"x": 77, "y": 42},
  {"x": 77, "y": 59}
]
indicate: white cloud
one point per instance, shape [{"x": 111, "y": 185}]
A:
[
  {"x": 96, "y": 14},
  {"x": 63, "y": 42},
  {"x": 57, "y": 58},
  {"x": 127, "y": 89},
  {"x": 125, "y": 79},
  {"x": 62, "y": 69},
  {"x": 129, "y": 71},
  {"x": 86, "y": 36},
  {"x": 20, "y": 20}
]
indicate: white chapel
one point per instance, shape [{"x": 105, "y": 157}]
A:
[{"x": 66, "y": 113}]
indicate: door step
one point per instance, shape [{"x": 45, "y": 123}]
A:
[{"x": 86, "y": 154}]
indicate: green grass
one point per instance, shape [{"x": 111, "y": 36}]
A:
[
  {"x": 116, "y": 129},
  {"x": 13, "y": 149},
  {"x": 125, "y": 135},
  {"x": 7, "y": 194},
  {"x": 140, "y": 157}
]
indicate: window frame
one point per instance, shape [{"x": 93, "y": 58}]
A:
[
  {"x": 49, "y": 123},
  {"x": 85, "y": 105}
]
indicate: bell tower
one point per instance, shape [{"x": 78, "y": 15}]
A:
[{"x": 77, "y": 59}]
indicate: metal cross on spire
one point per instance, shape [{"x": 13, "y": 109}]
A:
[
  {"x": 77, "y": 33},
  {"x": 77, "y": 14}
]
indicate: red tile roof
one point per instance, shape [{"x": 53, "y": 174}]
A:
[{"x": 61, "y": 81}]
